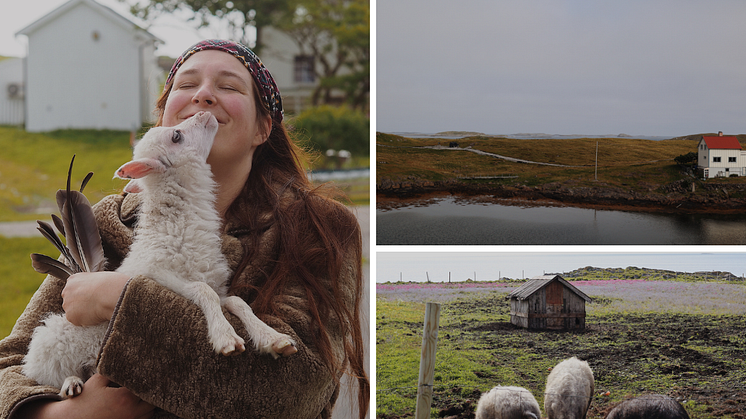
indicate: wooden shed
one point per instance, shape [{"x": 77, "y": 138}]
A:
[{"x": 548, "y": 302}]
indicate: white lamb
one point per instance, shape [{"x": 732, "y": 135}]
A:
[
  {"x": 508, "y": 403},
  {"x": 569, "y": 390},
  {"x": 177, "y": 243}
]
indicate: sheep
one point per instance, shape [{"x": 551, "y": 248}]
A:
[
  {"x": 508, "y": 403},
  {"x": 569, "y": 390},
  {"x": 177, "y": 243},
  {"x": 650, "y": 406}
]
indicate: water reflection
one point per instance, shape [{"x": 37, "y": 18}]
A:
[{"x": 459, "y": 221}]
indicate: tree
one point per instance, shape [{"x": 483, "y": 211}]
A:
[
  {"x": 240, "y": 15},
  {"x": 337, "y": 34}
]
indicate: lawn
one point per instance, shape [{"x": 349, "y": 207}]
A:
[{"x": 33, "y": 166}]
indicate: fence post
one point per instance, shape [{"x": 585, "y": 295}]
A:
[{"x": 427, "y": 361}]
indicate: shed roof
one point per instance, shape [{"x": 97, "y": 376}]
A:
[
  {"x": 727, "y": 142},
  {"x": 538, "y": 282}
]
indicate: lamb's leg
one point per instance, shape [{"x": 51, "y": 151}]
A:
[
  {"x": 60, "y": 352},
  {"x": 222, "y": 336},
  {"x": 266, "y": 339}
]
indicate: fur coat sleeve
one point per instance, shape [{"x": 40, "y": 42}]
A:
[{"x": 157, "y": 344}]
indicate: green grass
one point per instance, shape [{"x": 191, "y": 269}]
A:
[
  {"x": 18, "y": 280},
  {"x": 33, "y": 166}
]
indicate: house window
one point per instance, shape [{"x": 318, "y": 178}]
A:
[
  {"x": 716, "y": 159},
  {"x": 731, "y": 159},
  {"x": 304, "y": 69}
]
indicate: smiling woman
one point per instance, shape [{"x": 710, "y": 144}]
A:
[{"x": 295, "y": 255}]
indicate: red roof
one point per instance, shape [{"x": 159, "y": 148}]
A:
[{"x": 724, "y": 142}]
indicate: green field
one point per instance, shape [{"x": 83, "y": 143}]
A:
[
  {"x": 631, "y": 164},
  {"x": 695, "y": 358}
]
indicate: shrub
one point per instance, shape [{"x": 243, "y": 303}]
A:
[
  {"x": 336, "y": 128},
  {"x": 687, "y": 158}
]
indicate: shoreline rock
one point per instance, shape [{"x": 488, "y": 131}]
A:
[{"x": 675, "y": 197}]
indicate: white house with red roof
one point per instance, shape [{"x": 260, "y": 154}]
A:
[{"x": 721, "y": 156}]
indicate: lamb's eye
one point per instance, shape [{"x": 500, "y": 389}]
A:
[{"x": 177, "y": 136}]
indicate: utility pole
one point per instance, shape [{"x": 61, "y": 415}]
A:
[{"x": 596, "y": 175}]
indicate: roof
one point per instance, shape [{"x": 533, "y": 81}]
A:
[
  {"x": 728, "y": 142},
  {"x": 538, "y": 282},
  {"x": 101, "y": 9}
]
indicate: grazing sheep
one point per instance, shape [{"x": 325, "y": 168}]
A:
[
  {"x": 569, "y": 390},
  {"x": 508, "y": 403},
  {"x": 177, "y": 243},
  {"x": 650, "y": 406}
]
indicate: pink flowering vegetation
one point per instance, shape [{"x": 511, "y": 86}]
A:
[{"x": 609, "y": 296}]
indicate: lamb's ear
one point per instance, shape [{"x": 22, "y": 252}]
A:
[
  {"x": 133, "y": 186},
  {"x": 140, "y": 168}
]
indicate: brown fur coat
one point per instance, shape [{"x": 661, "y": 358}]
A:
[{"x": 157, "y": 344}]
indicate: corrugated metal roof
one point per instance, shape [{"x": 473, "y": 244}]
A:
[
  {"x": 538, "y": 282},
  {"x": 725, "y": 142}
]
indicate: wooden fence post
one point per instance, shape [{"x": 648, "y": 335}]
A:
[{"x": 427, "y": 361}]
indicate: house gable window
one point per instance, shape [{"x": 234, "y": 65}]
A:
[
  {"x": 716, "y": 159},
  {"x": 304, "y": 69}
]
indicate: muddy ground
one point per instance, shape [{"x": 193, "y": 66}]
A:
[{"x": 689, "y": 357}]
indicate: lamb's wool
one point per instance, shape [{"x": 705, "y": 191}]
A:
[
  {"x": 569, "y": 390},
  {"x": 508, "y": 402}
]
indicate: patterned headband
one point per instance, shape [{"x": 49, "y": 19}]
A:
[{"x": 267, "y": 88}]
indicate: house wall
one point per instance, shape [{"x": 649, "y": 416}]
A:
[
  {"x": 278, "y": 55},
  {"x": 83, "y": 71},
  {"x": 11, "y": 109}
]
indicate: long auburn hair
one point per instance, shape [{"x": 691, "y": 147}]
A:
[{"x": 313, "y": 239}]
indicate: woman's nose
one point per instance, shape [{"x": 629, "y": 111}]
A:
[{"x": 203, "y": 95}]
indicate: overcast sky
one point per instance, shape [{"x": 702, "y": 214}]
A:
[
  {"x": 638, "y": 67},
  {"x": 464, "y": 264},
  {"x": 176, "y": 35}
]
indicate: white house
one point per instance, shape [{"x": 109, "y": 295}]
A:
[
  {"x": 89, "y": 67},
  {"x": 11, "y": 95},
  {"x": 721, "y": 156}
]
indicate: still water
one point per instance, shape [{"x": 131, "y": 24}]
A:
[{"x": 454, "y": 221}]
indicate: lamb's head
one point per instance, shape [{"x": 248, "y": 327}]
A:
[{"x": 163, "y": 148}]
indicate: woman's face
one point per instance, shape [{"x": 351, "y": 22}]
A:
[{"x": 217, "y": 82}]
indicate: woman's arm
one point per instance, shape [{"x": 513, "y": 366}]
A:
[
  {"x": 98, "y": 401},
  {"x": 158, "y": 347}
]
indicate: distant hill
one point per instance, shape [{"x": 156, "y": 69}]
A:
[
  {"x": 697, "y": 137},
  {"x": 460, "y": 133},
  {"x": 590, "y": 273}
]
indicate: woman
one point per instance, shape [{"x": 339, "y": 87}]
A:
[{"x": 296, "y": 256}]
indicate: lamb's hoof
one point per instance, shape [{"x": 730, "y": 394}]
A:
[
  {"x": 72, "y": 387},
  {"x": 284, "y": 347},
  {"x": 233, "y": 346}
]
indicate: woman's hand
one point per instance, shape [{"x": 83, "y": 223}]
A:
[
  {"x": 97, "y": 400},
  {"x": 89, "y": 298}
]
